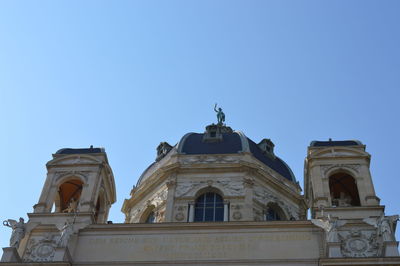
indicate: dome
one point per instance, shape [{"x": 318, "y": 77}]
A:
[
  {"x": 221, "y": 140},
  {"x": 233, "y": 142}
]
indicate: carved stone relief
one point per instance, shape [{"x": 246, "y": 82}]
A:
[
  {"x": 159, "y": 198},
  {"x": 204, "y": 159},
  {"x": 183, "y": 189},
  {"x": 359, "y": 244},
  {"x": 157, "y": 201},
  {"x": 60, "y": 174},
  {"x": 326, "y": 168},
  {"x": 236, "y": 214},
  {"x": 76, "y": 160},
  {"x": 180, "y": 213},
  {"x": 228, "y": 187},
  {"x": 41, "y": 250},
  {"x": 135, "y": 215},
  {"x": 265, "y": 196}
]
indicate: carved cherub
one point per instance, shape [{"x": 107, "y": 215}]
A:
[
  {"x": 385, "y": 226},
  {"x": 330, "y": 227}
]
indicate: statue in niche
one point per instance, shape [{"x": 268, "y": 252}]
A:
[
  {"x": 330, "y": 227},
  {"x": 344, "y": 200},
  {"x": 72, "y": 206},
  {"x": 66, "y": 232},
  {"x": 220, "y": 115},
  {"x": 384, "y": 225},
  {"x": 18, "y": 231}
]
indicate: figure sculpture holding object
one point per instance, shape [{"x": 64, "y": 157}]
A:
[
  {"x": 220, "y": 115},
  {"x": 18, "y": 231}
]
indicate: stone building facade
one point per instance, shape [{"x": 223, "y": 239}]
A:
[{"x": 214, "y": 198}]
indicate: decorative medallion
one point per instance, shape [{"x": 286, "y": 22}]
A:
[
  {"x": 237, "y": 215},
  {"x": 41, "y": 250},
  {"x": 357, "y": 244},
  {"x": 179, "y": 216}
]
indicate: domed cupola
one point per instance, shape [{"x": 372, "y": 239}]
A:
[
  {"x": 220, "y": 139},
  {"x": 222, "y": 168}
]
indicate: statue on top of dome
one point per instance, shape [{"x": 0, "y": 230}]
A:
[{"x": 220, "y": 115}]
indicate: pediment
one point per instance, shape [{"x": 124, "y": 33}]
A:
[
  {"x": 338, "y": 152},
  {"x": 74, "y": 159}
]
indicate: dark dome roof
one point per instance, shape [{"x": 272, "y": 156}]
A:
[
  {"x": 193, "y": 144},
  {"x": 235, "y": 142},
  {"x": 80, "y": 151},
  {"x": 330, "y": 143}
]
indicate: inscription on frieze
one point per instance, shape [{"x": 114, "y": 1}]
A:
[{"x": 194, "y": 246}]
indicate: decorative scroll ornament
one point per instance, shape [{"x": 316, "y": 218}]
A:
[{"x": 356, "y": 244}]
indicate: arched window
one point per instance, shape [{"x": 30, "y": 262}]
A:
[
  {"x": 151, "y": 218},
  {"x": 343, "y": 190},
  {"x": 69, "y": 194},
  {"x": 209, "y": 207},
  {"x": 274, "y": 213}
]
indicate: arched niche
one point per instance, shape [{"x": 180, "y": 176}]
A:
[
  {"x": 149, "y": 215},
  {"x": 68, "y": 195},
  {"x": 343, "y": 190},
  {"x": 274, "y": 212}
]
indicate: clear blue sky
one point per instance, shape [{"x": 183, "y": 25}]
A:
[{"x": 126, "y": 75}]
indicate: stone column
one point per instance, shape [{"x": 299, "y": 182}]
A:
[
  {"x": 226, "y": 211},
  {"x": 169, "y": 208},
  {"x": 248, "y": 184},
  {"x": 191, "y": 212}
]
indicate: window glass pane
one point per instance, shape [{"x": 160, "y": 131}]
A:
[
  {"x": 199, "y": 204},
  {"x": 218, "y": 198},
  {"x": 210, "y": 204},
  {"x": 219, "y": 214},
  {"x": 272, "y": 215},
  {"x": 210, "y": 197},
  {"x": 198, "y": 214},
  {"x": 209, "y": 216},
  {"x": 219, "y": 204},
  {"x": 209, "y": 207}
]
